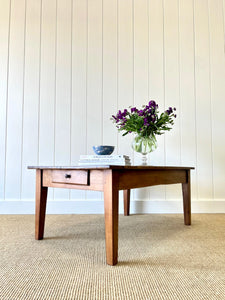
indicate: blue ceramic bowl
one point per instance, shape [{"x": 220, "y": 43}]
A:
[{"x": 103, "y": 150}]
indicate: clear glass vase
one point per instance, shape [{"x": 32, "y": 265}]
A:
[{"x": 144, "y": 145}]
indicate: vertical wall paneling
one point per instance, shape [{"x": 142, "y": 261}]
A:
[
  {"x": 186, "y": 112},
  {"x": 140, "y": 55},
  {"x": 63, "y": 89},
  {"x": 94, "y": 79},
  {"x": 109, "y": 59},
  {"x": 47, "y": 85},
  {"x": 15, "y": 100},
  {"x": 223, "y": 15},
  {"x": 125, "y": 69},
  {"x": 203, "y": 102},
  {"x": 172, "y": 88},
  {"x": 94, "y": 76},
  {"x": 156, "y": 68},
  {"x": 31, "y": 97},
  {"x": 156, "y": 81},
  {"x": 67, "y": 66},
  {"x": 79, "y": 83},
  {"x": 4, "y": 53},
  {"x": 217, "y": 62},
  {"x": 141, "y": 88}
]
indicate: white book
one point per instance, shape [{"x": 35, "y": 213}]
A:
[
  {"x": 109, "y": 160},
  {"x": 103, "y": 164},
  {"x": 104, "y": 156}
]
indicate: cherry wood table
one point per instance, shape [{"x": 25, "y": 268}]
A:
[{"x": 109, "y": 179}]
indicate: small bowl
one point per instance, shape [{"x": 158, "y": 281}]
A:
[{"x": 103, "y": 150}]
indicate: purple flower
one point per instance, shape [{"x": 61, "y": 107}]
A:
[
  {"x": 169, "y": 111},
  {"x": 148, "y": 116},
  {"x": 133, "y": 109},
  {"x": 119, "y": 115},
  {"x": 152, "y": 104}
]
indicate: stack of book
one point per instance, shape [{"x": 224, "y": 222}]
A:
[{"x": 96, "y": 160}]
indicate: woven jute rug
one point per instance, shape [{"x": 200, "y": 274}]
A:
[{"x": 159, "y": 258}]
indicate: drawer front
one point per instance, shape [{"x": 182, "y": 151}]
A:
[{"x": 71, "y": 177}]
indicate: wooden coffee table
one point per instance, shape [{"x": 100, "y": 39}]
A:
[{"x": 109, "y": 179}]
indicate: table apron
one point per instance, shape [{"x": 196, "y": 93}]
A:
[
  {"x": 143, "y": 178},
  {"x": 126, "y": 179}
]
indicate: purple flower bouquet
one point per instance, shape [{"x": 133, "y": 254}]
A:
[{"x": 146, "y": 123}]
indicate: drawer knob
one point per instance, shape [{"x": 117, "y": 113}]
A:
[{"x": 67, "y": 175}]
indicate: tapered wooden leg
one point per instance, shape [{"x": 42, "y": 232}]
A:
[
  {"x": 186, "y": 189},
  {"x": 111, "y": 196},
  {"x": 41, "y": 199},
  {"x": 126, "y": 202}
]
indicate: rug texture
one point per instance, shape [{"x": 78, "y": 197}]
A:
[{"x": 159, "y": 258}]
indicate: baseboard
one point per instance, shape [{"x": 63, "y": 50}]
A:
[{"x": 97, "y": 207}]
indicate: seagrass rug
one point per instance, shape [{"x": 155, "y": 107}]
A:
[{"x": 159, "y": 258}]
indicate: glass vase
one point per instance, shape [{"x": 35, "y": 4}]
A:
[{"x": 144, "y": 145}]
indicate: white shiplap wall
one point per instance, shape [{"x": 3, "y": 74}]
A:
[{"x": 67, "y": 66}]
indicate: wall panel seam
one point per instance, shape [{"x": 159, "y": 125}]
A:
[
  {"x": 164, "y": 79},
  {"x": 102, "y": 48},
  {"x": 179, "y": 79},
  {"x": 223, "y": 25},
  {"x": 210, "y": 99},
  {"x": 87, "y": 47},
  {"x": 148, "y": 49},
  {"x": 7, "y": 95},
  {"x": 117, "y": 66},
  {"x": 223, "y": 16},
  {"x": 71, "y": 80},
  {"x": 148, "y": 93},
  {"x": 133, "y": 60},
  {"x": 39, "y": 83},
  {"x": 194, "y": 56},
  {"x": 71, "y": 86},
  {"x": 87, "y": 33},
  {"x": 23, "y": 95},
  {"x": 55, "y": 85}
]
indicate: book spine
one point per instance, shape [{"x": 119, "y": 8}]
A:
[
  {"x": 104, "y": 160},
  {"x": 103, "y": 164},
  {"x": 103, "y": 156}
]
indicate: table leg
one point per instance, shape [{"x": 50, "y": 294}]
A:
[
  {"x": 126, "y": 202},
  {"x": 41, "y": 199},
  {"x": 111, "y": 203},
  {"x": 186, "y": 189}
]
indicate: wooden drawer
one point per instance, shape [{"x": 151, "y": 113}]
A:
[{"x": 80, "y": 177}]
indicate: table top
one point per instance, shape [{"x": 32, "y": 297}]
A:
[{"x": 94, "y": 167}]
